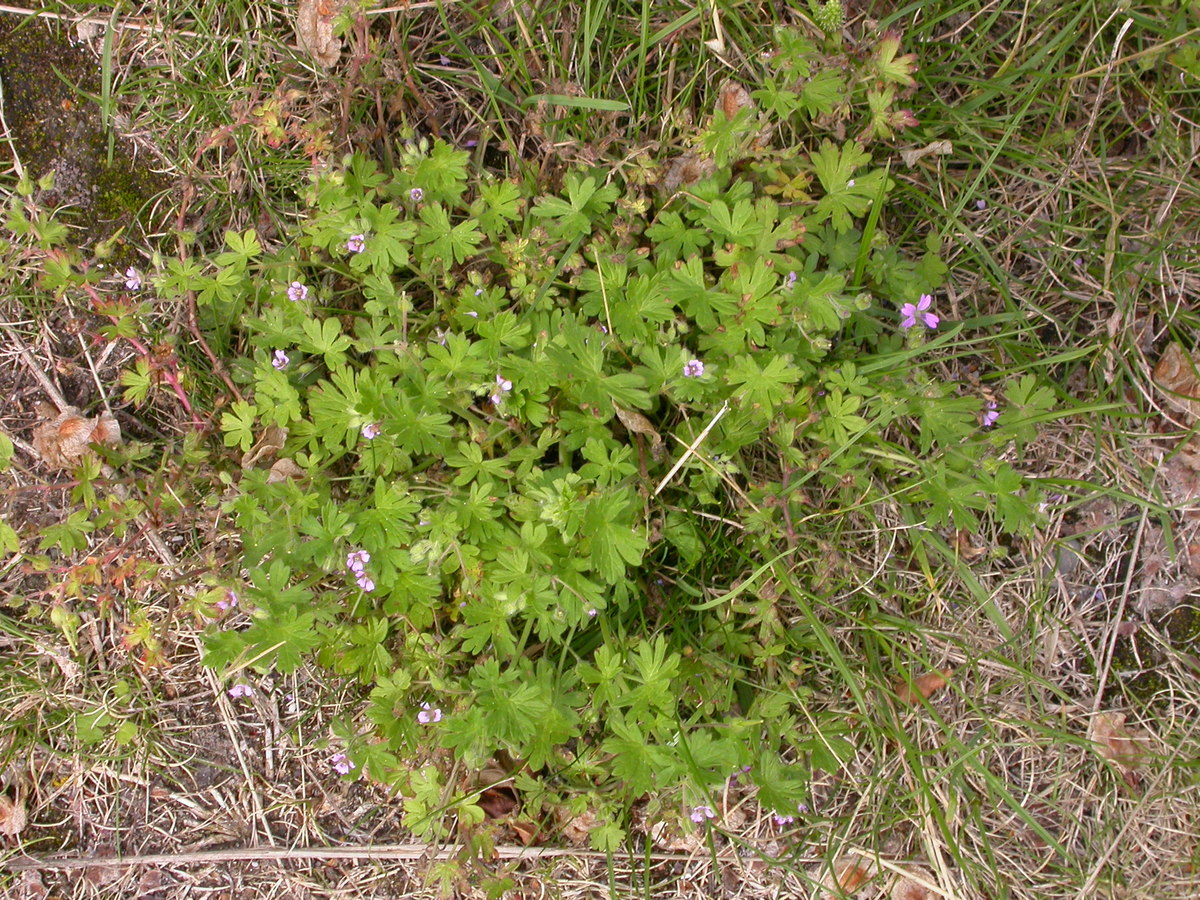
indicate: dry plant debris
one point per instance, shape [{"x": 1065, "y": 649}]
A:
[
  {"x": 921, "y": 687},
  {"x": 848, "y": 877},
  {"x": 12, "y": 816},
  {"x": 1125, "y": 747},
  {"x": 314, "y": 30},
  {"x": 1176, "y": 375},
  {"x": 62, "y": 441},
  {"x": 912, "y": 886}
]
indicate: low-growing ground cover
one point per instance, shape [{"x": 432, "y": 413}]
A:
[{"x": 616, "y": 449}]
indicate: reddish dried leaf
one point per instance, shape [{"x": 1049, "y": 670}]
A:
[
  {"x": 1176, "y": 374},
  {"x": 526, "y": 831},
  {"x": 847, "y": 877},
  {"x": 497, "y": 802},
  {"x": 733, "y": 98},
  {"x": 924, "y": 686},
  {"x": 63, "y": 440}
]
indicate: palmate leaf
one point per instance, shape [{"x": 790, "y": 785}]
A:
[{"x": 614, "y": 543}]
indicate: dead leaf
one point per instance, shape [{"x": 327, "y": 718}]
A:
[
  {"x": 12, "y": 816},
  {"x": 282, "y": 470},
  {"x": 935, "y": 148},
  {"x": 912, "y": 886},
  {"x": 314, "y": 30},
  {"x": 577, "y": 828},
  {"x": 924, "y": 686},
  {"x": 965, "y": 547},
  {"x": 497, "y": 802},
  {"x": 63, "y": 440},
  {"x": 1124, "y": 747},
  {"x": 684, "y": 171},
  {"x": 639, "y": 424},
  {"x": 1176, "y": 375},
  {"x": 269, "y": 443},
  {"x": 732, "y": 99},
  {"x": 525, "y": 830},
  {"x": 846, "y": 877}
]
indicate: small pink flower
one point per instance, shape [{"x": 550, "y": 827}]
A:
[
  {"x": 693, "y": 368},
  {"x": 700, "y": 813},
  {"x": 356, "y": 559},
  {"x": 341, "y": 763},
  {"x": 280, "y": 360},
  {"x": 241, "y": 689},
  {"x": 429, "y": 714},
  {"x": 356, "y": 243},
  {"x": 133, "y": 279},
  {"x": 365, "y": 583},
  {"x": 370, "y": 431},
  {"x": 910, "y": 312},
  {"x": 992, "y": 414},
  {"x": 416, "y": 195},
  {"x": 230, "y": 601},
  {"x": 297, "y": 292}
]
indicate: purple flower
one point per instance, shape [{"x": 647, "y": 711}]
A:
[
  {"x": 981, "y": 204},
  {"x": 700, "y": 813},
  {"x": 241, "y": 689},
  {"x": 297, "y": 292},
  {"x": 992, "y": 414},
  {"x": 782, "y": 820},
  {"x": 790, "y": 281},
  {"x": 911, "y": 312},
  {"x": 133, "y": 279},
  {"x": 417, "y": 195},
  {"x": 371, "y": 431},
  {"x": 356, "y": 559},
  {"x": 281, "y": 360},
  {"x": 429, "y": 714},
  {"x": 365, "y": 583},
  {"x": 230, "y": 601},
  {"x": 693, "y": 368},
  {"x": 356, "y": 243},
  {"x": 503, "y": 386},
  {"x": 341, "y": 764}
]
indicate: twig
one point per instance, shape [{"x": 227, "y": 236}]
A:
[
  {"x": 8, "y": 136},
  {"x": 284, "y": 854},
  {"x": 691, "y": 448}
]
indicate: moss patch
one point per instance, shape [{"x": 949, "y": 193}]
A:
[{"x": 57, "y": 128}]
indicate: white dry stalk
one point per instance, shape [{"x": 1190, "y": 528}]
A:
[
  {"x": 8, "y": 136},
  {"x": 691, "y": 448}
]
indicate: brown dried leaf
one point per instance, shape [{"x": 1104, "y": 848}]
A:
[
  {"x": 909, "y": 887},
  {"x": 63, "y": 440},
  {"x": 1176, "y": 375},
  {"x": 577, "y": 828},
  {"x": 924, "y": 686},
  {"x": 1125, "y": 747},
  {"x": 936, "y": 148},
  {"x": 848, "y": 876},
  {"x": 269, "y": 443},
  {"x": 639, "y": 424},
  {"x": 684, "y": 171},
  {"x": 732, "y": 99},
  {"x": 282, "y": 470},
  {"x": 314, "y": 30},
  {"x": 12, "y": 816}
]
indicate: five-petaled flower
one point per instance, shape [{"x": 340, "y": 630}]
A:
[
  {"x": 241, "y": 689},
  {"x": 341, "y": 763},
  {"x": 356, "y": 243},
  {"x": 693, "y": 368},
  {"x": 700, "y": 813},
  {"x": 280, "y": 360},
  {"x": 229, "y": 602},
  {"x": 503, "y": 386},
  {"x": 910, "y": 312},
  {"x": 370, "y": 431},
  {"x": 297, "y": 292},
  {"x": 365, "y": 583},
  {"x": 992, "y": 414},
  {"x": 429, "y": 714},
  {"x": 133, "y": 279},
  {"x": 416, "y": 195}
]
